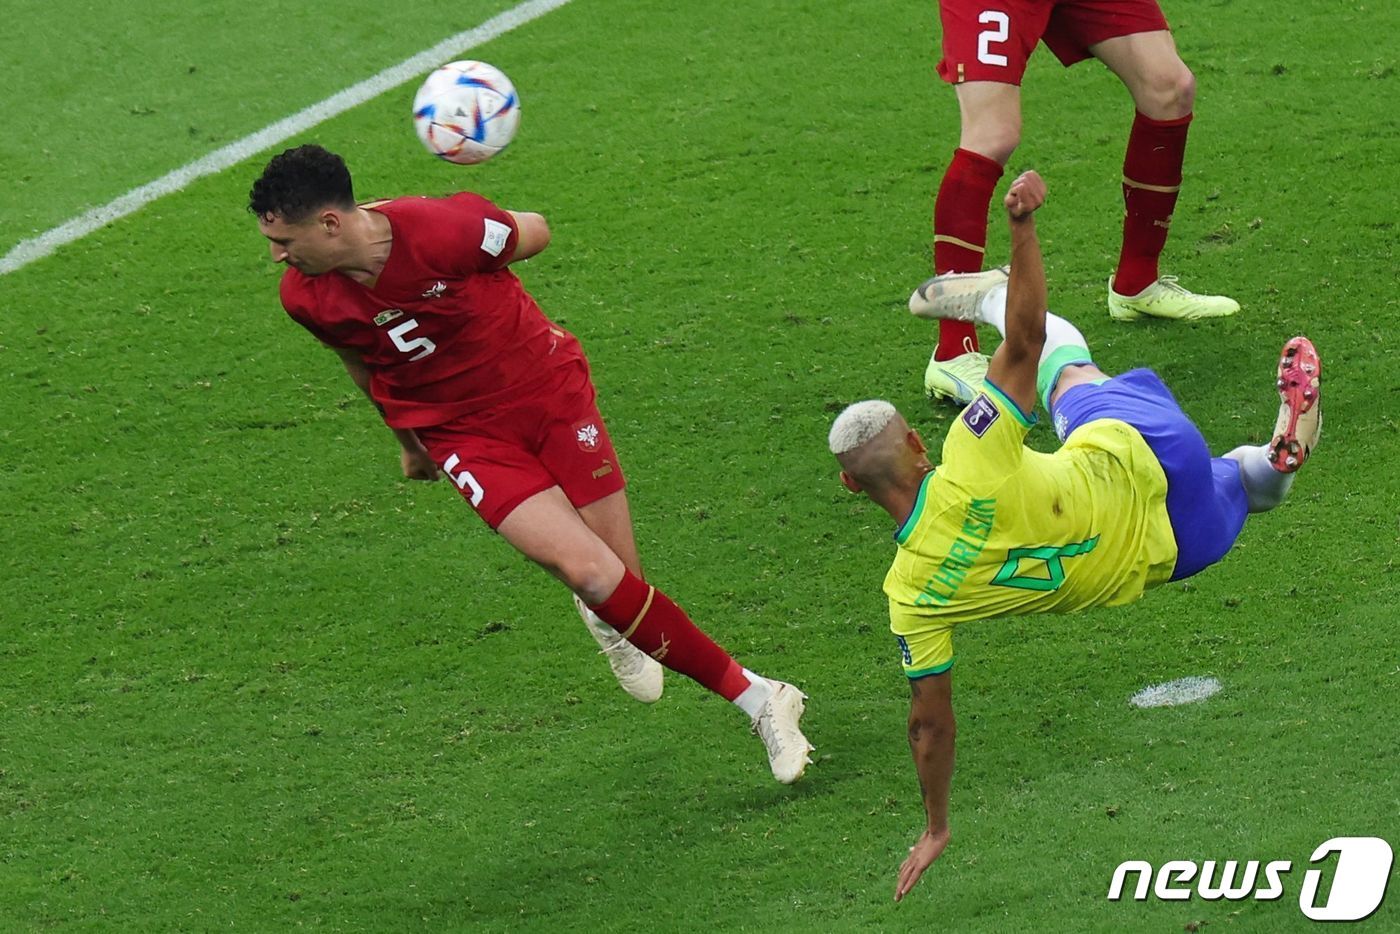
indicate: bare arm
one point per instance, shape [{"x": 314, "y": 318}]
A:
[
  {"x": 531, "y": 234},
  {"x": 932, "y": 731},
  {"x": 355, "y": 367},
  {"x": 415, "y": 460},
  {"x": 1014, "y": 365}
]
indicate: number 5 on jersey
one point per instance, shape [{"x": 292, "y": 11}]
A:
[{"x": 399, "y": 335}]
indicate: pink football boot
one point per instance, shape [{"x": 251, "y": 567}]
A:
[{"x": 1300, "y": 414}]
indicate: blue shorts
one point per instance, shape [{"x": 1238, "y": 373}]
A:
[{"x": 1206, "y": 502}]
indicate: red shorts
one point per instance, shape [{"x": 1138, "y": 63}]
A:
[
  {"x": 991, "y": 40},
  {"x": 502, "y": 458}
]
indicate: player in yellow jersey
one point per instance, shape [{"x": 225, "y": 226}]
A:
[{"x": 1131, "y": 500}]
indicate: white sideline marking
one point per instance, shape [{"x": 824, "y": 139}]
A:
[
  {"x": 1174, "y": 693},
  {"x": 27, "y": 251}
]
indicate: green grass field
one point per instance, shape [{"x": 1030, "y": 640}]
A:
[{"x": 251, "y": 679}]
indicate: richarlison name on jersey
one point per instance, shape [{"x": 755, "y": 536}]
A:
[{"x": 940, "y": 589}]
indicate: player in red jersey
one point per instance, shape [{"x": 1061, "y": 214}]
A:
[
  {"x": 986, "y": 44},
  {"x": 476, "y": 383}
]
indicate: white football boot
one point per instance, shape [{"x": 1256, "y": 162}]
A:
[
  {"x": 639, "y": 674},
  {"x": 777, "y": 725},
  {"x": 957, "y": 296}
]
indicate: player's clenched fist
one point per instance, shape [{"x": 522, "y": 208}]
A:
[{"x": 1025, "y": 195}]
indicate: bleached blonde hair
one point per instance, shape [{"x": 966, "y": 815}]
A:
[{"x": 858, "y": 423}]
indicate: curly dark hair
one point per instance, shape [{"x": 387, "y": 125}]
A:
[{"x": 299, "y": 181}]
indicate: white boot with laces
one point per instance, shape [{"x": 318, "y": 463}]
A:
[
  {"x": 639, "y": 674},
  {"x": 777, "y": 725}
]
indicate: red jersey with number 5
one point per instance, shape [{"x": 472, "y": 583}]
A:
[{"x": 447, "y": 330}]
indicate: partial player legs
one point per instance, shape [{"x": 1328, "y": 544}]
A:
[
  {"x": 647, "y": 618},
  {"x": 1151, "y": 182},
  {"x": 610, "y": 518},
  {"x": 1299, "y": 423},
  {"x": 1164, "y": 92},
  {"x": 1264, "y": 487},
  {"x": 638, "y": 673},
  {"x": 1267, "y": 470},
  {"x": 548, "y": 529},
  {"x": 960, "y": 296},
  {"x": 991, "y": 129},
  {"x": 980, "y": 297},
  {"x": 1149, "y": 66}
]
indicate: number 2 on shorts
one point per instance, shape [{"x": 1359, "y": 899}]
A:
[{"x": 1001, "y": 24}]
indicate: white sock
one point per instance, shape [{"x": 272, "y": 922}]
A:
[
  {"x": 992, "y": 309},
  {"x": 753, "y": 697},
  {"x": 1058, "y": 332},
  {"x": 1064, "y": 344},
  {"x": 1264, "y": 486}
]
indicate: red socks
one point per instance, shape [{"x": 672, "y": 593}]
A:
[
  {"x": 648, "y": 619},
  {"x": 1151, "y": 180},
  {"x": 960, "y": 234}
]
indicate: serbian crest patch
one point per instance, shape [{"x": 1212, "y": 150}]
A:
[{"x": 586, "y": 434}]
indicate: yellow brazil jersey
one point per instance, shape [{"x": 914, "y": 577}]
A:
[{"x": 999, "y": 529}]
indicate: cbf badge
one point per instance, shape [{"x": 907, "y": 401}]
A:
[{"x": 980, "y": 415}]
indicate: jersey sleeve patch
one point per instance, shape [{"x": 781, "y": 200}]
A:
[
  {"x": 980, "y": 415},
  {"x": 984, "y": 445},
  {"x": 496, "y": 236}
]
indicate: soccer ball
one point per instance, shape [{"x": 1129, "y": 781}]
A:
[{"x": 466, "y": 112}]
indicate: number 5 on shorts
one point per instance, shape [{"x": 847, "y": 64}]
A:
[
  {"x": 1001, "y": 24},
  {"x": 464, "y": 479}
]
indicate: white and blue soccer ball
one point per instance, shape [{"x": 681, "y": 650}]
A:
[{"x": 466, "y": 112}]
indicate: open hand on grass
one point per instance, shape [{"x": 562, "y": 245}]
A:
[{"x": 928, "y": 848}]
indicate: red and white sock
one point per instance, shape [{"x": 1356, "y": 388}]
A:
[
  {"x": 960, "y": 234},
  {"x": 753, "y": 697},
  {"x": 1151, "y": 181},
  {"x": 648, "y": 619}
]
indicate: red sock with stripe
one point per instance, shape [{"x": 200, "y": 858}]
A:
[
  {"x": 1151, "y": 181},
  {"x": 648, "y": 619},
  {"x": 960, "y": 234}
]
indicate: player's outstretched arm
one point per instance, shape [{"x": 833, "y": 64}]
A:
[
  {"x": 417, "y": 464},
  {"x": 531, "y": 234},
  {"x": 932, "y": 731},
  {"x": 1013, "y": 367}
]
